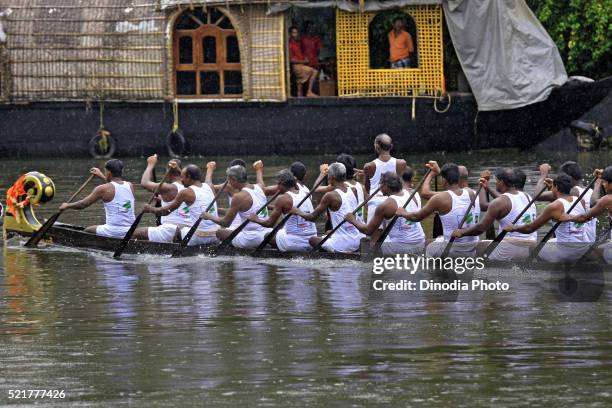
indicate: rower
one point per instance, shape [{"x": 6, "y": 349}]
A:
[
  {"x": 295, "y": 234},
  {"x": 341, "y": 201},
  {"x": 189, "y": 204},
  {"x": 166, "y": 232},
  {"x": 117, "y": 196},
  {"x": 406, "y": 237},
  {"x": 505, "y": 208},
  {"x": 383, "y": 163},
  {"x": 571, "y": 240},
  {"x": 229, "y": 191},
  {"x": 573, "y": 170},
  {"x": 599, "y": 206},
  {"x": 452, "y": 205},
  {"x": 298, "y": 169},
  {"x": 351, "y": 166},
  {"x": 248, "y": 199}
]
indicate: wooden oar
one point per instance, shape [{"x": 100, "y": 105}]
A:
[
  {"x": 185, "y": 241},
  {"x": 355, "y": 211},
  {"x": 38, "y": 235},
  {"x": 280, "y": 225},
  {"x": 490, "y": 234},
  {"x": 438, "y": 229},
  {"x": 465, "y": 217},
  {"x": 502, "y": 234},
  {"x": 550, "y": 233},
  {"x": 121, "y": 247},
  {"x": 388, "y": 228},
  {"x": 157, "y": 201},
  {"x": 242, "y": 226}
]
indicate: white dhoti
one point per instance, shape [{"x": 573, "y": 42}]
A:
[
  {"x": 162, "y": 233},
  {"x": 557, "y": 252},
  {"x": 291, "y": 243},
  {"x": 112, "y": 231},
  {"x": 393, "y": 248},
  {"x": 200, "y": 237},
  {"x": 250, "y": 239},
  {"x": 458, "y": 249},
  {"x": 513, "y": 249},
  {"x": 339, "y": 243}
]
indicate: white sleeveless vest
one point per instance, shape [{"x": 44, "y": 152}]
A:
[
  {"x": 174, "y": 217},
  {"x": 452, "y": 219},
  {"x": 591, "y": 226},
  {"x": 381, "y": 168},
  {"x": 404, "y": 231},
  {"x": 518, "y": 202},
  {"x": 296, "y": 225},
  {"x": 190, "y": 214},
  {"x": 360, "y": 199},
  {"x": 259, "y": 199},
  {"x": 572, "y": 231},
  {"x": 120, "y": 211},
  {"x": 347, "y": 232}
]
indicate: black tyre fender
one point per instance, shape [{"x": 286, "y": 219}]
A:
[
  {"x": 98, "y": 151},
  {"x": 176, "y": 144}
]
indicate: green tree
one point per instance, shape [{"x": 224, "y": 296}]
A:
[{"x": 581, "y": 30}]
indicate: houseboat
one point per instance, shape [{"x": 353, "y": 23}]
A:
[{"x": 133, "y": 77}]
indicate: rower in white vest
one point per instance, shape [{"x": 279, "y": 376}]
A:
[
  {"x": 190, "y": 203},
  {"x": 117, "y": 196},
  {"x": 341, "y": 201},
  {"x": 167, "y": 191},
  {"x": 574, "y": 171},
  {"x": 505, "y": 209},
  {"x": 571, "y": 240},
  {"x": 452, "y": 205},
  {"x": 601, "y": 205},
  {"x": 296, "y": 233},
  {"x": 249, "y": 199},
  {"x": 384, "y": 162},
  {"x": 405, "y": 237}
]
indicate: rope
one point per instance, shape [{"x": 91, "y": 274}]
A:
[
  {"x": 175, "y": 116},
  {"x": 101, "y": 127},
  {"x": 413, "y": 106},
  {"x": 436, "y": 98}
]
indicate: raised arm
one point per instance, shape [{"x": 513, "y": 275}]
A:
[
  {"x": 259, "y": 179},
  {"x": 323, "y": 168},
  {"x": 596, "y": 187},
  {"x": 544, "y": 175},
  {"x": 426, "y": 192},
  {"x": 368, "y": 171}
]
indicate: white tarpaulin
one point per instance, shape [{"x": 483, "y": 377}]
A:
[{"x": 508, "y": 58}]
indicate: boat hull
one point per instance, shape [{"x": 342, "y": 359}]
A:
[{"x": 298, "y": 126}]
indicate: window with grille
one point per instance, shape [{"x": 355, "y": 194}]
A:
[{"x": 206, "y": 55}]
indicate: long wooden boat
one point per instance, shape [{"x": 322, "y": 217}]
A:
[{"x": 74, "y": 236}]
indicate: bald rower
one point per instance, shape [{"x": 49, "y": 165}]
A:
[{"x": 384, "y": 162}]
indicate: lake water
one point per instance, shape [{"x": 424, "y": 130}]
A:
[{"x": 149, "y": 331}]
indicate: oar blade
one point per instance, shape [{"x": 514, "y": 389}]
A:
[{"x": 39, "y": 235}]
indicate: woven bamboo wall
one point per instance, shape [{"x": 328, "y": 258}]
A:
[
  {"x": 355, "y": 78},
  {"x": 121, "y": 50},
  {"x": 94, "y": 49}
]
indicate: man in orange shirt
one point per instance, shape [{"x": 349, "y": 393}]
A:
[
  {"x": 400, "y": 45},
  {"x": 299, "y": 64}
]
